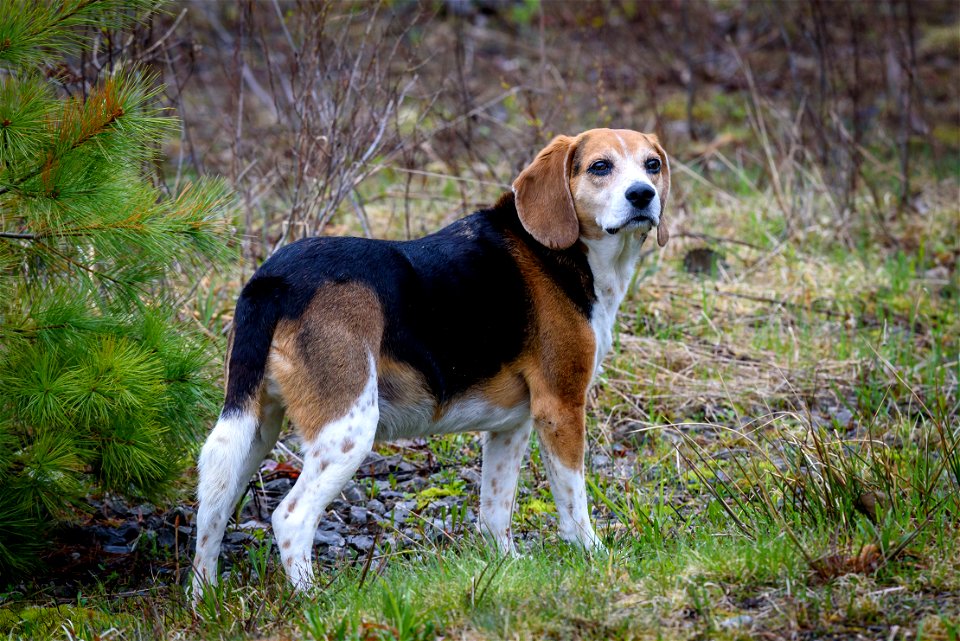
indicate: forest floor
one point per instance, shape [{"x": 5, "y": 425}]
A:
[{"x": 773, "y": 441}]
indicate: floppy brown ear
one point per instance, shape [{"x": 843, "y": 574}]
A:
[
  {"x": 544, "y": 201},
  {"x": 663, "y": 234}
]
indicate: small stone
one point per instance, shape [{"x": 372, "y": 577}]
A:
[
  {"x": 145, "y": 508},
  {"x": 336, "y": 552},
  {"x": 331, "y": 525},
  {"x": 238, "y": 537},
  {"x": 398, "y": 515},
  {"x": 736, "y": 622},
  {"x": 165, "y": 539},
  {"x": 353, "y": 493},
  {"x": 376, "y": 506},
  {"x": 600, "y": 460},
  {"x": 414, "y": 484},
  {"x": 111, "y": 536},
  {"x": 116, "y": 549},
  {"x": 278, "y": 486},
  {"x": 359, "y": 515},
  {"x": 361, "y": 543},
  {"x": 470, "y": 476},
  {"x": 331, "y": 539}
]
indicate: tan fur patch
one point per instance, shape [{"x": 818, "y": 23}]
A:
[
  {"x": 506, "y": 389},
  {"x": 544, "y": 202},
  {"x": 557, "y": 365},
  {"x": 401, "y": 384},
  {"x": 320, "y": 359}
]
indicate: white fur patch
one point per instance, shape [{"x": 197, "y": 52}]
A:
[
  {"x": 570, "y": 496},
  {"x": 329, "y": 462},
  {"x": 617, "y": 211},
  {"x": 502, "y": 454},
  {"x": 230, "y": 455},
  {"x": 467, "y": 415},
  {"x": 612, "y": 260}
]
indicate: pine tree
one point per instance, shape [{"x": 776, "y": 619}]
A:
[{"x": 101, "y": 387}]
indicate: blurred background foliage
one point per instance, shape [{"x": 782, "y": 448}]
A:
[{"x": 315, "y": 110}]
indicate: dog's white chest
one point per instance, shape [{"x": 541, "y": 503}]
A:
[{"x": 612, "y": 261}]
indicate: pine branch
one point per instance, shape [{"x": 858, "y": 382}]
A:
[
  {"x": 90, "y": 270},
  {"x": 29, "y": 30},
  {"x": 114, "y": 108},
  {"x": 18, "y": 236}
]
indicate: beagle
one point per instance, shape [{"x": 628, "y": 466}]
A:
[{"x": 496, "y": 323}]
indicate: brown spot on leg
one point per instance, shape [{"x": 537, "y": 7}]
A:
[
  {"x": 286, "y": 545},
  {"x": 324, "y": 464},
  {"x": 204, "y": 539},
  {"x": 292, "y": 506},
  {"x": 493, "y": 484},
  {"x": 347, "y": 445}
]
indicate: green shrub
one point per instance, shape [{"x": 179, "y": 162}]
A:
[{"x": 101, "y": 386}]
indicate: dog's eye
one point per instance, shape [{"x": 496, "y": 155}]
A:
[
  {"x": 653, "y": 165},
  {"x": 600, "y": 167}
]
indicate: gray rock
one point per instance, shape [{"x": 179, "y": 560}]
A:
[
  {"x": 736, "y": 622},
  {"x": 331, "y": 539},
  {"x": 359, "y": 515},
  {"x": 353, "y": 493},
  {"x": 337, "y": 553},
  {"x": 238, "y": 537},
  {"x": 600, "y": 460},
  {"x": 361, "y": 543},
  {"x": 165, "y": 539},
  {"x": 278, "y": 486},
  {"x": 331, "y": 525},
  {"x": 376, "y": 506}
]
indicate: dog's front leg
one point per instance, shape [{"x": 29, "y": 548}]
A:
[
  {"x": 502, "y": 455},
  {"x": 561, "y": 427}
]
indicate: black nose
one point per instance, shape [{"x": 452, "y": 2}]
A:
[{"x": 640, "y": 195}]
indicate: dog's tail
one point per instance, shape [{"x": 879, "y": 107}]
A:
[{"x": 258, "y": 310}]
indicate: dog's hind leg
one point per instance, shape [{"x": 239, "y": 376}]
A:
[
  {"x": 233, "y": 451},
  {"x": 502, "y": 454},
  {"x": 332, "y": 452}
]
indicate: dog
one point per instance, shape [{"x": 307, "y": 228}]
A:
[{"x": 496, "y": 323}]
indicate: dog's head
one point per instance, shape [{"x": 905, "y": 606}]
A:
[{"x": 602, "y": 182}]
